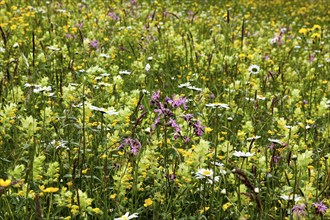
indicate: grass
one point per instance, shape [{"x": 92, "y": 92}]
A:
[{"x": 164, "y": 110}]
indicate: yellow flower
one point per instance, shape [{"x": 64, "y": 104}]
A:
[
  {"x": 316, "y": 27},
  {"x": 5, "y": 183},
  {"x": 97, "y": 210},
  {"x": 113, "y": 196},
  {"x": 303, "y": 31},
  {"x": 147, "y": 202},
  {"x": 226, "y": 206},
  {"x": 74, "y": 209},
  {"x": 48, "y": 189},
  {"x": 204, "y": 210},
  {"x": 208, "y": 129},
  {"x": 316, "y": 35},
  {"x": 85, "y": 171}
]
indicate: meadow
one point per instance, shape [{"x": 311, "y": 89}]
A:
[{"x": 146, "y": 109}]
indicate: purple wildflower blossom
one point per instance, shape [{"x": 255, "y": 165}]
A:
[
  {"x": 198, "y": 128},
  {"x": 134, "y": 144},
  {"x": 114, "y": 16},
  {"x": 186, "y": 139},
  {"x": 188, "y": 117},
  {"x": 320, "y": 207},
  {"x": 94, "y": 44},
  {"x": 299, "y": 210},
  {"x": 276, "y": 159},
  {"x": 175, "y": 103},
  {"x": 69, "y": 36},
  {"x": 155, "y": 97},
  {"x": 175, "y": 125}
]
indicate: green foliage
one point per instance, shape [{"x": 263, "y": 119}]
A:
[{"x": 84, "y": 133}]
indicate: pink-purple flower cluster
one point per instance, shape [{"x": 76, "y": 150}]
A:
[
  {"x": 133, "y": 144},
  {"x": 165, "y": 109}
]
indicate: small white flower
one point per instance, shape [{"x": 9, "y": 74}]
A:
[
  {"x": 189, "y": 86},
  {"x": 39, "y": 88},
  {"x": 220, "y": 165},
  {"x": 125, "y": 72},
  {"x": 283, "y": 30},
  {"x": 54, "y": 48},
  {"x": 108, "y": 112},
  {"x": 253, "y": 138},
  {"x": 184, "y": 85},
  {"x": 287, "y": 198},
  {"x": 273, "y": 40},
  {"x": 275, "y": 141},
  {"x": 261, "y": 98},
  {"x": 150, "y": 58},
  {"x": 104, "y": 55},
  {"x": 254, "y": 69},
  {"x": 105, "y": 74},
  {"x": 127, "y": 216},
  {"x": 147, "y": 68},
  {"x": 242, "y": 154},
  {"x": 217, "y": 105}
]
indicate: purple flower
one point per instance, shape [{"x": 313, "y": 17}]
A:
[
  {"x": 271, "y": 146},
  {"x": 320, "y": 207},
  {"x": 175, "y": 103},
  {"x": 276, "y": 159},
  {"x": 69, "y": 36},
  {"x": 134, "y": 144},
  {"x": 175, "y": 125},
  {"x": 188, "y": 117},
  {"x": 94, "y": 44},
  {"x": 114, "y": 16},
  {"x": 299, "y": 210},
  {"x": 155, "y": 97},
  {"x": 79, "y": 25},
  {"x": 186, "y": 139},
  {"x": 198, "y": 128}
]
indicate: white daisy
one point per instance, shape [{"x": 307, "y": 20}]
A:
[
  {"x": 242, "y": 154},
  {"x": 127, "y": 216},
  {"x": 207, "y": 174},
  {"x": 202, "y": 173},
  {"x": 254, "y": 69}
]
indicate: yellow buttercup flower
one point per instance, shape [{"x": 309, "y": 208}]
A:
[
  {"x": 48, "y": 189},
  {"x": 147, "y": 202},
  {"x": 5, "y": 183},
  {"x": 303, "y": 31}
]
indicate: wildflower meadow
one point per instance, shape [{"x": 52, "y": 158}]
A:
[{"x": 174, "y": 109}]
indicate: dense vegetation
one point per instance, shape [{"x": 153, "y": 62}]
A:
[{"x": 164, "y": 109}]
